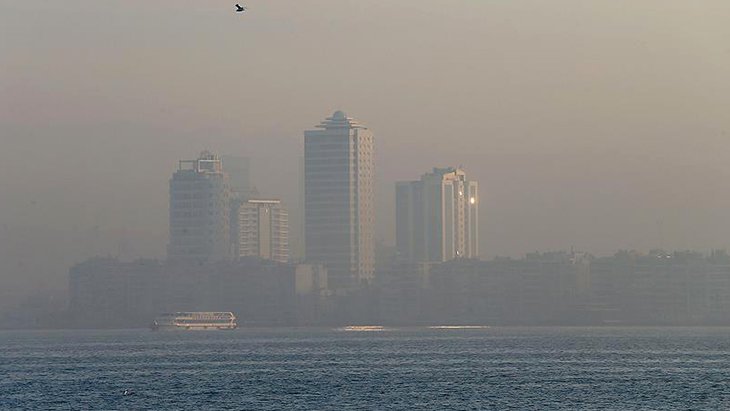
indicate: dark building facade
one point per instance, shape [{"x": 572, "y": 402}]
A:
[{"x": 106, "y": 293}]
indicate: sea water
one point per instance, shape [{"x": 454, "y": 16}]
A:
[{"x": 371, "y": 368}]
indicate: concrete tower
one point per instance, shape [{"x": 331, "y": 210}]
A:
[
  {"x": 199, "y": 211},
  {"x": 261, "y": 229},
  {"x": 339, "y": 167}
]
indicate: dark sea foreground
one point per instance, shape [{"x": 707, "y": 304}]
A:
[{"x": 394, "y": 369}]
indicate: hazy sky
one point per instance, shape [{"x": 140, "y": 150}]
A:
[{"x": 596, "y": 124}]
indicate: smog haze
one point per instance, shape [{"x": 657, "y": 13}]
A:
[{"x": 599, "y": 125}]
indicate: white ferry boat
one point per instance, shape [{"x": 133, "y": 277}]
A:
[{"x": 205, "y": 320}]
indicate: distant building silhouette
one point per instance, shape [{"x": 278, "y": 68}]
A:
[
  {"x": 556, "y": 288},
  {"x": 107, "y": 293},
  {"x": 261, "y": 229},
  {"x": 437, "y": 217},
  {"x": 238, "y": 170},
  {"x": 339, "y": 163},
  {"x": 200, "y": 210},
  {"x": 539, "y": 289}
]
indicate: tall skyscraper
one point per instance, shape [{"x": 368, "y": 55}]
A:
[
  {"x": 261, "y": 229},
  {"x": 437, "y": 217},
  {"x": 339, "y": 166},
  {"x": 199, "y": 211}
]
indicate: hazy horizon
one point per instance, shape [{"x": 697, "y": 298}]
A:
[{"x": 599, "y": 125}]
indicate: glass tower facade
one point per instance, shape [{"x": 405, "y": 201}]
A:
[{"x": 339, "y": 167}]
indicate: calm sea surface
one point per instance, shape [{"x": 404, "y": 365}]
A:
[{"x": 394, "y": 369}]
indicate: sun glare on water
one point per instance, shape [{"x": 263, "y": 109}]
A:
[{"x": 363, "y": 328}]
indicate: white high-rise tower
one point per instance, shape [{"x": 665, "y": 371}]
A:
[
  {"x": 339, "y": 167},
  {"x": 261, "y": 229}
]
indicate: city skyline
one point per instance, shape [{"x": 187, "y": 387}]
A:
[
  {"x": 582, "y": 125},
  {"x": 342, "y": 204}
]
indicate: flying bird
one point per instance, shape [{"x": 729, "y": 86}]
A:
[{"x": 240, "y": 9}]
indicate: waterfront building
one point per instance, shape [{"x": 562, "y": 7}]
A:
[
  {"x": 339, "y": 167},
  {"x": 539, "y": 289},
  {"x": 200, "y": 210},
  {"x": 107, "y": 293},
  {"x": 261, "y": 229},
  {"x": 437, "y": 217}
]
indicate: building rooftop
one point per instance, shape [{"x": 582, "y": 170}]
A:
[
  {"x": 340, "y": 120},
  {"x": 206, "y": 163},
  {"x": 263, "y": 201}
]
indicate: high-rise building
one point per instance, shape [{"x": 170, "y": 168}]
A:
[
  {"x": 437, "y": 217},
  {"x": 261, "y": 229},
  {"x": 199, "y": 210},
  {"x": 339, "y": 163}
]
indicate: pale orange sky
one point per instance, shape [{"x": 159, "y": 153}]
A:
[{"x": 596, "y": 124}]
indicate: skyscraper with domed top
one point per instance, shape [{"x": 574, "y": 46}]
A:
[{"x": 339, "y": 199}]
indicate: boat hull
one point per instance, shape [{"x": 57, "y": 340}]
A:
[{"x": 195, "y": 321}]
